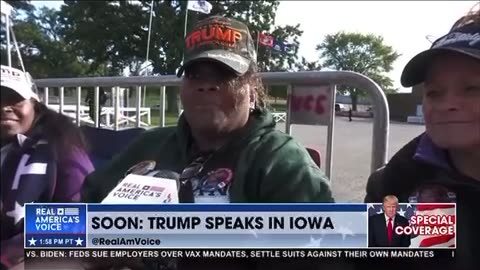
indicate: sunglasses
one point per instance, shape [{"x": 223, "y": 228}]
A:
[{"x": 185, "y": 192}]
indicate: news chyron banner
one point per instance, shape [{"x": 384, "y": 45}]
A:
[
  {"x": 335, "y": 230},
  {"x": 196, "y": 225}
]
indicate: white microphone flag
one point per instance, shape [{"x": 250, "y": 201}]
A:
[{"x": 139, "y": 189}]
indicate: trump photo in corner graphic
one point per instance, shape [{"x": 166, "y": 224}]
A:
[{"x": 381, "y": 226}]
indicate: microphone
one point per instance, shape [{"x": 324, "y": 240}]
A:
[
  {"x": 143, "y": 184},
  {"x": 164, "y": 263},
  {"x": 147, "y": 187}
]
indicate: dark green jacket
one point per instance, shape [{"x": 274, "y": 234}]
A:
[
  {"x": 268, "y": 165},
  {"x": 404, "y": 176}
]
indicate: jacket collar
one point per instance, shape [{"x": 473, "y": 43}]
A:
[
  {"x": 20, "y": 139},
  {"x": 426, "y": 151}
]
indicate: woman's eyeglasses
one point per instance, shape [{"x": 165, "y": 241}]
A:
[{"x": 185, "y": 192}]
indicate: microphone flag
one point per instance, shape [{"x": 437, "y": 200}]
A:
[{"x": 140, "y": 189}]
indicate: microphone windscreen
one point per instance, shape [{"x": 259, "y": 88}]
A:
[{"x": 167, "y": 174}]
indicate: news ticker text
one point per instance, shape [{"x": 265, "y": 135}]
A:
[{"x": 239, "y": 253}]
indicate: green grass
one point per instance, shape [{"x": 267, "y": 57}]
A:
[
  {"x": 153, "y": 99},
  {"x": 279, "y": 107},
  {"x": 171, "y": 118}
]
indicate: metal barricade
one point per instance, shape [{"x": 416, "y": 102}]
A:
[
  {"x": 380, "y": 106},
  {"x": 381, "y": 112}
]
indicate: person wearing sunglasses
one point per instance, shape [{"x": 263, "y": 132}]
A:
[
  {"x": 43, "y": 159},
  {"x": 443, "y": 163},
  {"x": 225, "y": 147}
]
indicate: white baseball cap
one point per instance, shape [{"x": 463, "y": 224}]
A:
[{"x": 18, "y": 81}]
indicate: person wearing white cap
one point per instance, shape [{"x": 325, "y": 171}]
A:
[
  {"x": 43, "y": 159},
  {"x": 18, "y": 91},
  {"x": 443, "y": 164}
]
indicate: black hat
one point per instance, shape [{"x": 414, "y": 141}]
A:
[
  {"x": 223, "y": 40},
  {"x": 464, "y": 40}
]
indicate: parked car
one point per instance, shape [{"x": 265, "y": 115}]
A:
[{"x": 339, "y": 107}]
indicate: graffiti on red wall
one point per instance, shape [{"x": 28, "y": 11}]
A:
[{"x": 309, "y": 103}]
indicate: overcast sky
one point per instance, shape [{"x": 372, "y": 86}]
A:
[{"x": 403, "y": 24}]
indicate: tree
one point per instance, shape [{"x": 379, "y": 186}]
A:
[
  {"x": 114, "y": 34},
  {"x": 108, "y": 34},
  {"x": 170, "y": 21},
  {"x": 277, "y": 91},
  {"x": 363, "y": 53},
  {"x": 23, "y": 5},
  {"x": 42, "y": 47},
  {"x": 41, "y": 44},
  {"x": 304, "y": 65},
  {"x": 20, "y": 5}
]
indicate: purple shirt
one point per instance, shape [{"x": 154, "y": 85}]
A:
[
  {"x": 70, "y": 174},
  {"x": 439, "y": 190},
  {"x": 430, "y": 153}
]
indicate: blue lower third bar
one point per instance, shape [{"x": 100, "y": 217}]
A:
[
  {"x": 280, "y": 207},
  {"x": 55, "y": 240}
]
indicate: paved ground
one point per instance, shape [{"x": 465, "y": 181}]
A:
[{"x": 352, "y": 151}]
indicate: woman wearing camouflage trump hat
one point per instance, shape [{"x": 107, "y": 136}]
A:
[
  {"x": 225, "y": 147},
  {"x": 442, "y": 165},
  {"x": 224, "y": 126}
]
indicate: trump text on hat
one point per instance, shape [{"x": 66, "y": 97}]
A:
[{"x": 225, "y": 35}]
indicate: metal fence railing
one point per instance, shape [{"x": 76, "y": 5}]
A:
[{"x": 379, "y": 101}]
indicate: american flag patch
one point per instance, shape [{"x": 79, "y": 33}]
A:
[
  {"x": 157, "y": 189},
  {"x": 71, "y": 211},
  {"x": 434, "y": 241}
]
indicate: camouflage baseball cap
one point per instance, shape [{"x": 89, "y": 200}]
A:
[
  {"x": 463, "y": 40},
  {"x": 222, "y": 40}
]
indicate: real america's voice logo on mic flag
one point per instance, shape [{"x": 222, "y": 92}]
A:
[
  {"x": 68, "y": 211},
  {"x": 432, "y": 225},
  {"x": 141, "y": 189}
]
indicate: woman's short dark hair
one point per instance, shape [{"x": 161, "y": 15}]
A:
[{"x": 58, "y": 130}]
